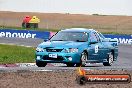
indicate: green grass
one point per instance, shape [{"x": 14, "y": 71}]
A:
[
  {"x": 20, "y": 28},
  {"x": 16, "y": 54}
]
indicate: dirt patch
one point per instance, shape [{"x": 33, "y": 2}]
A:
[
  {"x": 60, "y": 79},
  {"x": 119, "y": 24}
]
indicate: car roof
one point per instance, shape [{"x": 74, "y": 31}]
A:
[{"x": 77, "y": 30}]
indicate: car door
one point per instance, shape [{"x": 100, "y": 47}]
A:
[
  {"x": 101, "y": 48},
  {"x": 95, "y": 47},
  {"x": 105, "y": 46}
]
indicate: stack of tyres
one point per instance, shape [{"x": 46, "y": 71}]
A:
[
  {"x": 25, "y": 23},
  {"x": 34, "y": 22},
  {"x": 29, "y": 22}
]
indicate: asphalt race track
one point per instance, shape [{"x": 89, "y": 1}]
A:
[{"x": 124, "y": 59}]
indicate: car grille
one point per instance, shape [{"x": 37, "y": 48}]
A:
[
  {"x": 54, "y": 50},
  {"x": 59, "y": 58}
]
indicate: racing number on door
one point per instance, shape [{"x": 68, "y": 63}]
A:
[{"x": 96, "y": 49}]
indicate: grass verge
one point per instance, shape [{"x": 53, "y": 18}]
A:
[
  {"x": 16, "y": 54},
  {"x": 20, "y": 28}
]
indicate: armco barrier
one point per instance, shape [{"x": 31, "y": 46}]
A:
[{"x": 24, "y": 34}]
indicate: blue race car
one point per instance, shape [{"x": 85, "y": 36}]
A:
[{"x": 76, "y": 47}]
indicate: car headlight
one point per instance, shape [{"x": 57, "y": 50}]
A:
[
  {"x": 38, "y": 49},
  {"x": 71, "y": 50}
]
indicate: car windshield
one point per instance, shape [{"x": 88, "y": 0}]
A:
[{"x": 70, "y": 36}]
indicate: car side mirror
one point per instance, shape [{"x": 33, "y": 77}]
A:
[
  {"x": 93, "y": 42},
  {"x": 45, "y": 40}
]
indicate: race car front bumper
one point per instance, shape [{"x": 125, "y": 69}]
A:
[{"x": 58, "y": 57}]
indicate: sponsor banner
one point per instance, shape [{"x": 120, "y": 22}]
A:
[
  {"x": 24, "y": 34},
  {"x": 122, "y": 39}
]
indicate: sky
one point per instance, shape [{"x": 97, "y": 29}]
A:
[{"x": 103, "y": 7}]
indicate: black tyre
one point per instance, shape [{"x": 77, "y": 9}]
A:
[
  {"x": 40, "y": 64},
  {"x": 83, "y": 59},
  {"x": 110, "y": 60}
]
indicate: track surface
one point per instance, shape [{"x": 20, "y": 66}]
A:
[{"x": 124, "y": 59}]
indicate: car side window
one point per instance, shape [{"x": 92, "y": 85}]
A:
[
  {"x": 101, "y": 36},
  {"x": 97, "y": 36},
  {"x": 93, "y": 37}
]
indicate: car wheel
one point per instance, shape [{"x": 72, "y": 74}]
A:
[
  {"x": 83, "y": 59},
  {"x": 70, "y": 64},
  {"x": 110, "y": 60},
  {"x": 40, "y": 64}
]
